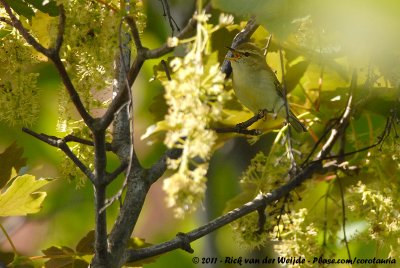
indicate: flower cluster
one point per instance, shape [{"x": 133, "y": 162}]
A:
[
  {"x": 195, "y": 96},
  {"x": 381, "y": 210},
  {"x": 19, "y": 94},
  {"x": 297, "y": 238},
  {"x": 247, "y": 232}
]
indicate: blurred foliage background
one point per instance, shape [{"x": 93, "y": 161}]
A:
[{"x": 347, "y": 35}]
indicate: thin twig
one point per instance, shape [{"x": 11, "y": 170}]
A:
[
  {"x": 116, "y": 197},
  {"x": 293, "y": 164},
  {"x": 167, "y": 13},
  {"x": 325, "y": 226},
  {"x": 343, "y": 216},
  {"x": 322, "y": 138},
  {"x": 267, "y": 45},
  {"x": 72, "y": 138},
  {"x": 337, "y": 131},
  {"x": 185, "y": 32}
]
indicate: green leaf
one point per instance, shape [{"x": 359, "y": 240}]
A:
[
  {"x": 22, "y": 8},
  {"x": 20, "y": 198},
  {"x": 86, "y": 245},
  {"x": 4, "y": 33},
  {"x": 66, "y": 263},
  {"x": 63, "y": 257},
  {"x": 277, "y": 16},
  {"x": 9, "y": 159},
  {"x": 50, "y": 8},
  {"x": 56, "y": 251},
  {"x": 294, "y": 73},
  {"x": 239, "y": 7},
  {"x": 136, "y": 242}
]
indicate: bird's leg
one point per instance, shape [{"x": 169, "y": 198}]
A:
[
  {"x": 260, "y": 115},
  {"x": 241, "y": 128}
]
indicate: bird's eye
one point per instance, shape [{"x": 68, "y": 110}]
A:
[{"x": 247, "y": 54}]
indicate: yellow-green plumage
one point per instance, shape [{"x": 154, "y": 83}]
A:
[{"x": 256, "y": 85}]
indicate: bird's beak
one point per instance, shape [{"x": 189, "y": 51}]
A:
[{"x": 234, "y": 55}]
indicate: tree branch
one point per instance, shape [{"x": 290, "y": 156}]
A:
[
  {"x": 73, "y": 94},
  {"x": 185, "y": 32},
  {"x": 113, "y": 175},
  {"x": 158, "y": 168},
  {"x": 136, "y": 192},
  {"x": 167, "y": 13},
  {"x": 72, "y": 138},
  {"x": 336, "y": 132},
  {"x": 61, "y": 30},
  {"x": 143, "y": 54},
  {"x": 23, "y": 31},
  {"x": 61, "y": 144},
  {"x": 259, "y": 202},
  {"x": 262, "y": 200},
  {"x": 101, "y": 256}
]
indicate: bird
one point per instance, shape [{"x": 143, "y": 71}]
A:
[{"x": 256, "y": 85}]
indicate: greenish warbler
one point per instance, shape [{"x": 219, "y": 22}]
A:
[{"x": 256, "y": 85}]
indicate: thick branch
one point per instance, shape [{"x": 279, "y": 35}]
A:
[
  {"x": 101, "y": 257},
  {"x": 259, "y": 201},
  {"x": 159, "y": 167},
  {"x": 136, "y": 192},
  {"x": 122, "y": 109}
]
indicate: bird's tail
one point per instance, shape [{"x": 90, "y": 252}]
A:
[{"x": 295, "y": 123}]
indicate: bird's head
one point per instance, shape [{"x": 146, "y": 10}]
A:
[{"x": 247, "y": 53}]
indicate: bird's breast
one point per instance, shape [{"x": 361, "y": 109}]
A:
[{"x": 255, "y": 89}]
